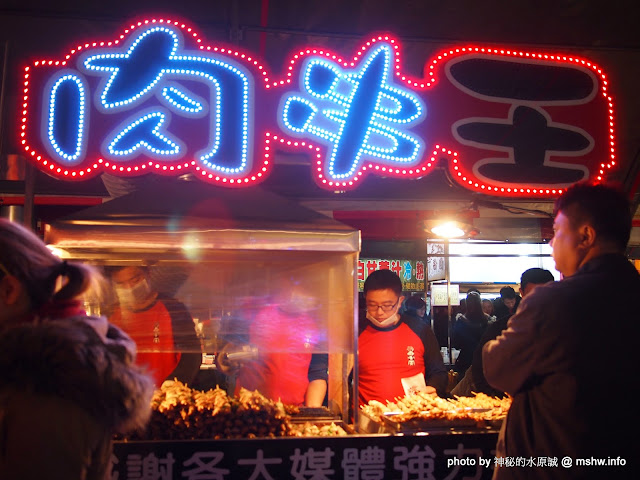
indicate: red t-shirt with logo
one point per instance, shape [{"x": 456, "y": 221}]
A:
[
  {"x": 387, "y": 355},
  {"x": 152, "y": 331}
]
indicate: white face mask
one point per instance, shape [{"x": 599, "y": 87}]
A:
[
  {"x": 387, "y": 322},
  {"x": 130, "y": 297}
]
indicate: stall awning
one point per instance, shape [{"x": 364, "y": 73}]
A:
[{"x": 173, "y": 214}]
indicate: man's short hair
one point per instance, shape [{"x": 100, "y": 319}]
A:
[
  {"x": 604, "y": 207},
  {"x": 383, "y": 280},
  {"x": 536, "y": 276},
  {"x": 507, "y": 293}
]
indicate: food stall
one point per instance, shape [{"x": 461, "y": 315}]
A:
[
  {"x": 159, "y": 99},
  {"x": 224, "y": 254}
]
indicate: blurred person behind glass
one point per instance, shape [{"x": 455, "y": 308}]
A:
[
  {"x": 161, "y": 326},
  {"x": 285, "y": 347}
]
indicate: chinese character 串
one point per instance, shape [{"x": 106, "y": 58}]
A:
[
  {"x": 359, "y": 113},
  {"x": 529, "y": 133}
]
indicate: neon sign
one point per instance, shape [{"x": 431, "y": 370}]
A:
[
  {"x": 157, "y": 99},
  {"x": 359, "y": 108}
]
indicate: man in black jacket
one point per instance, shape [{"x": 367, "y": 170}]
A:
[
  {"x": 507, "y": 304},
  {"x": 566, "y": 381}
]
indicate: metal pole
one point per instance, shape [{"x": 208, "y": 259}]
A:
[
  {"x": 446, "y": 276},
  {"x": 29, "y": 194}
]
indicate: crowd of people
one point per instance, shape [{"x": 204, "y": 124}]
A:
[{"x": 71, "y": 380}]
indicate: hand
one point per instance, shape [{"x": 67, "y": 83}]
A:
[{"x": 222, "y": 362}]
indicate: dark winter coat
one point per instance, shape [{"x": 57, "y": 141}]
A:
[
  {"x": 66, "y": 386},
  {"x": 465, "y": 335},
  {"x": 573, "y": 390}
]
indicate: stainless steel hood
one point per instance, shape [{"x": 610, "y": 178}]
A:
[{"x": 176, "y": 216}]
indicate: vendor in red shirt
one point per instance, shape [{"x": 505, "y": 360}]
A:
[
  {"x": 161, "y": 327},
  {"x": 287, "y": 341},
  {"x": 397, "y": 354}
]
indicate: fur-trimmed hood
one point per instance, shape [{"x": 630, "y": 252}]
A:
[{"x": 85, "y": 360}]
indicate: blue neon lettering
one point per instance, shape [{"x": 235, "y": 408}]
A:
[
  {"x": 144, "y": 70},
  {"x": 162, "y": 101},
  {"x": 181, "y": 101},
  {"x": 143, "y": 132},
  {"x": 66, "y": 119},
  {"x": 359, "y": 113}
]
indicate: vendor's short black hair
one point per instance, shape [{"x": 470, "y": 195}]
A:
[
  {"x": 507, "y": 292},
  {"x": 536, "y": 276},
  {"x": 383, "y": 280}
]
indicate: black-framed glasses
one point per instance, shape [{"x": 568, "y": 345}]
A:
[{"x": 385, "y": 307}]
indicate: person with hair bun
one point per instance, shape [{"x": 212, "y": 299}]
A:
[
  {"x": 467, "y": 331},
  {"x": 67, "y": 380}
]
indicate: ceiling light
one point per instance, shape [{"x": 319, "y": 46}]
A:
[{"x": 447, "y": 228}]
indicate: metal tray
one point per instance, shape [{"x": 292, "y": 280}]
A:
[
  {"x": 315, "y": 415},
  {"x": 424, "y": 425},
  {"x": 367, "y": 424},
  {"x": 388, "y": 425}
]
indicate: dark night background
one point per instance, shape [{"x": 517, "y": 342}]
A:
[{"x": 607, "y": 32}]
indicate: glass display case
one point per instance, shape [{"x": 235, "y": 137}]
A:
[
  {"x": 256, "y": 291},
  {"x": 251, "y": 287}
]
